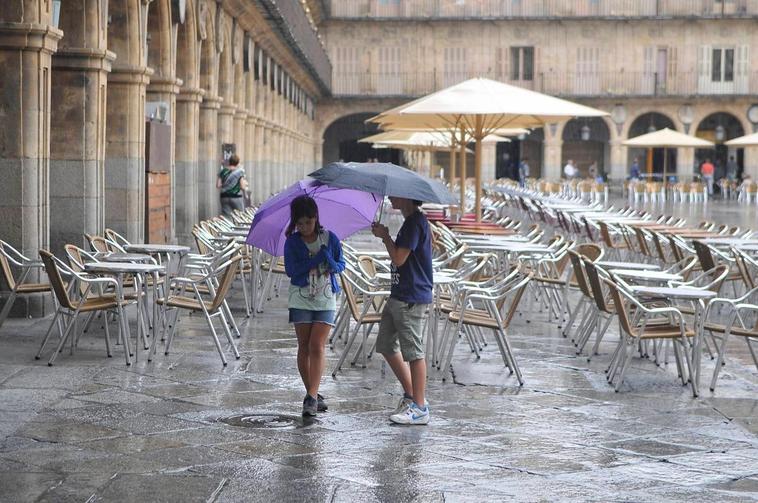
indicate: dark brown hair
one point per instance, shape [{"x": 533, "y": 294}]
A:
[{"x": 303, "y": 206}]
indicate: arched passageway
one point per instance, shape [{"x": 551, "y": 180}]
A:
[
  {"x": 720, "y": 127},
  {"x": 651, "y": 161},
  {"x": 341, "y": 141},
  {"x": 509, "y": 154},
  {"x": 586, "y": 141}
]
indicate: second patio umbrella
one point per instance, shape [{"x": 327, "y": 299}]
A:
[
  {"x": 666, "y": 138},
  {"x": 478, "y": 107}
]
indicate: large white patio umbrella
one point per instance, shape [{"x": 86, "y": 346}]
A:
[
  {"x": 750, "y": 140},
  {"x": 478, "y": 107},
  {"x": 667, "y": 138}
]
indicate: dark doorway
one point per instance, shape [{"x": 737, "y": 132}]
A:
[{"x": 341, "y": 141}]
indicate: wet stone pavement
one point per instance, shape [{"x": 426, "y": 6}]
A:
[{"x": 183, "y": 428}]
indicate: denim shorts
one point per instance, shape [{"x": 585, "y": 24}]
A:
[{"x": 305, "y": 316}]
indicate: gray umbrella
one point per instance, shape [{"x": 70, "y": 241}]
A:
[{"x": 384, "y": 178}]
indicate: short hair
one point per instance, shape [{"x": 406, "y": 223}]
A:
[
  {"x": 234, "y": 160},
  {"x": 416, "y": 202}
]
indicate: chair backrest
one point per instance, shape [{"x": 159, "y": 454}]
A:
[
  {"x": 618, "y": 303},
  {"x": 350, "y": 297},
  {"x": 56, "y": 280},
  {"x": 744, "y": 265},
  {"x": 642, "y": 241},
  {"x": 593, "y": 277},
  {"x": 5, "y": 267},
  {"x": 225, "y": 283},
  {"x": 590, "y": 251},
  {"x": 659, "y": 246},
  {"x": 704, "y": 255},
  {"x": 579, "y": 274},
  {"x": 116, "y": 237},
  {"x": 367, "y": 265},
  {"x": 606, "y": 235},
  {"x": 518, "y": 292}
]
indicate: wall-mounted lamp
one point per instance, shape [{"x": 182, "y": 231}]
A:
[
  {"x": 585, "y": 132},
  {"x": 720, "y": 133}
]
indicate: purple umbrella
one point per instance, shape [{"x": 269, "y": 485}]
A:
[{"x": 342, "y": 211}]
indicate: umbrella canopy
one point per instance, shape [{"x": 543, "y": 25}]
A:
[
  {"x": 667, "y": 138},
  {"x": 495, "y": 104},
  {"x": 417, "y": 140},
  {"x": 342, "y": 211},
  {"x": 750, "y": 140},
  {"x": 479, "y": 107},
  {"x": 385, "y": 179}
]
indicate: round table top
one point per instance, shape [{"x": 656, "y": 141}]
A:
[
  {"x": 235, "y": 233},
  {"x": 124, "y": 257},
  {"x": 730, "y": 241},
  {"x": 627, "y": 265},
  {"x": 683, "y": 292},
  {"x": 646, "y": 274},
  {"x": 121, "y": 267},
  {"x": 157, "y": 248}
]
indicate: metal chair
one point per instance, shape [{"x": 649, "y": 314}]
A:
[{"x": 9, "y": 257}]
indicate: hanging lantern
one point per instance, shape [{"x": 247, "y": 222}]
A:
[
  {"x": 585, "y": 132},
  {"x": 720, "y": 133}
]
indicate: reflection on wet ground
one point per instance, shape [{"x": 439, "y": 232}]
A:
[{"x": 182, "y": 428}]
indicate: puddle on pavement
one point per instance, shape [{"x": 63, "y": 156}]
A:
[{"x": 268, "y": 421}]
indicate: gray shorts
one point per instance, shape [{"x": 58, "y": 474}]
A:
[
  {"x": 229, "y": 204},
  {"x": 400, "y": 330}
]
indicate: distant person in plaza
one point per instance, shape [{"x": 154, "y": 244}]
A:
[
  {"x": 634, "y": 172},
  {"x": 731, "y": 168},
  {"x": 233, "y": 184},
  {"x": 523, "y": 171},
  {"x": 706, "y": 171},
  {"x": 312, "y": 259},
  {"x": 592, "y": 171},
  {"x": 569, "y": 170},
  {"x": 400, "y": 337}
]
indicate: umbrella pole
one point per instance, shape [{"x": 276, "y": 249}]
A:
[
  {"x": 665, "y": 161},
  {"x": 451, "y": 174},
  {"x": 478, "y": 170},
  {"x": 462, "y": 177}
]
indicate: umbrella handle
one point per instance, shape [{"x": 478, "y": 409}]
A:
[{"x": 381, "y": 212}]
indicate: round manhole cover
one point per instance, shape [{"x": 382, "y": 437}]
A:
[{"x": 268, "y": 421}]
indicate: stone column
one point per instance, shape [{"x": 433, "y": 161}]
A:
[
  {"x": 551, "y": 169},
  {"x": 26, "y": 45},
  {"x": 250, "y": 164},
  {"x": 186, "y": 172},
  {"x": 619, "y": 155},
  {"x": 77, "y": 143},
  {"x": 751, "y": 162},
  {"x": 125, "y": 152},
  {"x": 265, "y": 164},
  {"x": 208, "y": 158},
  {"x": 166, "y": 89},
  {"x": 685, "y": 164},
  {"x": 239, "y": 133}
]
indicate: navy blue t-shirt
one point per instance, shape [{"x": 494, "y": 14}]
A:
[{"x": 412, "y": 282}]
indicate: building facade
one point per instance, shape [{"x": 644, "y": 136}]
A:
[{"x": 684, "y": 64}]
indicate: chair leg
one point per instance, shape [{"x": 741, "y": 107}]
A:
[
  {"x": 66, "y": 334},
  {"x": 7, "y": 307},
  {"x": 216, "y": 342},
  {"x": 345, "y": 351},
  {"x": 56, "y": 318},
  {"x": 228, "y": 334},
  {"x": 719, "y": 360}
]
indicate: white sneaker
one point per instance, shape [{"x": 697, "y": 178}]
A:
[
  {"x": 412, "y": 415},
  {"x": 402, "y": 406}
]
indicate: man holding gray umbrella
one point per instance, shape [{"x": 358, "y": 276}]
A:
[{"x": 400, "y": 330}]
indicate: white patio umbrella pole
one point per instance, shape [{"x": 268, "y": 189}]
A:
[
  {"x": 462, "y": 169},
  {"x": 478, "y": 168}
]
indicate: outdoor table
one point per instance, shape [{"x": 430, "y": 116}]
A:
[
  {"x": 161, "y": 249},
  {"x": 748, "y": 248},
  {"x": 698, "y": 297},
  {"x": 730, "y": 241},
  {"x": 118, "y": 269},
  {"x": 235, "y": 233},
  {"x": 646, "y": 275},
  {"x": 627, "y": 265}
]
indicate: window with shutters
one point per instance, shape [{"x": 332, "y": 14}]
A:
[
  {"x": 346, "y": 70},
  {"x": 455, "y": 65},
  {"x": 723, "y": 70},
  {"x": 501, "y": 72},
  {"x": 522, "y": 63},
  {"x": 389, "y": 77},
  {"x": 587, "y": 77}
]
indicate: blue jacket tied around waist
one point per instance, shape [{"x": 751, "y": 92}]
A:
[{"x": 298, "y": 262}]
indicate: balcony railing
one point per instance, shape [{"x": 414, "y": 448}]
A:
[
  {"x": 519, "y": 9},
  {"x": 296, "y": 28},
  {"x": 589, "y": 85}
]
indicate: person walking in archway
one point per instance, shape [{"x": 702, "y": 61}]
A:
[
  {"x": 706, "y": 171},
  {"x": 233, "y": 184}
]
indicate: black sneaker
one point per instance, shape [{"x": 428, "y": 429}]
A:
[
  {"x": 322, "y": 406},
  {"x": 310, "y": 406}
]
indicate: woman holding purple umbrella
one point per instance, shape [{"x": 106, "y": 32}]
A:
[{"x": 312, "y": 258}]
